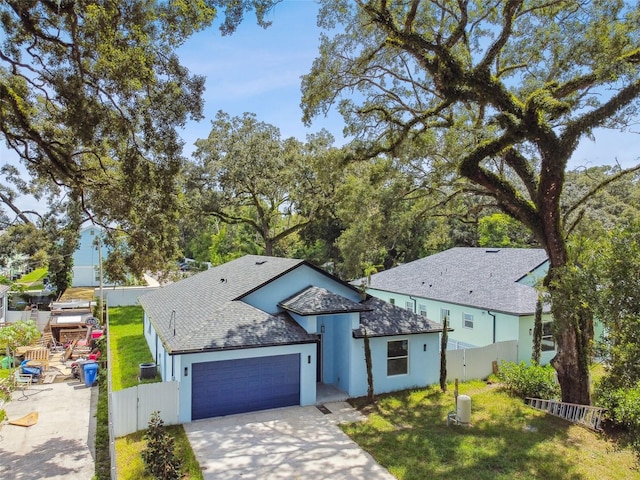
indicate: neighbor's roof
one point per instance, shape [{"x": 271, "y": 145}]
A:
[
  {"x": 4, "y": 288},
  {"x": 384, "y": 319},
  {"x": 320, "y": 301},
  {"x": 485, "y": 278},
  {"x": 203, "y": 312}
]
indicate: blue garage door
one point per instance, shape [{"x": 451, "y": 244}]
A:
[{"x": 244, "y": 385}]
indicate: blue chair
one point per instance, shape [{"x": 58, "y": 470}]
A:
[{"x": 35, "y": 371}]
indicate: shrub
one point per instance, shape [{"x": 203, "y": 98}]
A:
[
  {"x": 534, "y": 381},
  {"x": 159, "y": 456},
  {"x": 623, "y": 408}
]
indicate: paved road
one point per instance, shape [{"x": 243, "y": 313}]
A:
[{"x": 287, "y": 443}]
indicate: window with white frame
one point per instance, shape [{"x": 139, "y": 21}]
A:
[
  {"x": 548, "y": 343},
  {"x": 467, "y": 320},
  {"x": 397, "y": 357},
  {"x": 444, "y": 313},
  {"x": 408, "y": 305},
  {"x": 423, "y": 309}
]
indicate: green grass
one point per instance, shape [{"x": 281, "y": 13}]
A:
[
  {"x": 34, "y": 276},
  {"x": 407, "y": 433},
  {"x": 128, "y": 346},
  {"x": 128, "y": 350},
  {"x": 131, "y": 466}
]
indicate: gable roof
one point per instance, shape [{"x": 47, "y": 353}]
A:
[
  {"x": 485, "y": 278},
  {"x": 320, "y": 301},
  {"x": 203, "y": 312},
  {"x": 384, "y": 319}
]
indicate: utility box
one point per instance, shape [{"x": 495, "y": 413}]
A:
[{"x": 463, "y": 412}]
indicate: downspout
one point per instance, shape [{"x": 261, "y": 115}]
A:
[
  {"x": 415, "y": 303},
  {"x": 494, "y": 325}
]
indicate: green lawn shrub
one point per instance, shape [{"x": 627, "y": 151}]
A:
[{"x": 535, "y": 381}]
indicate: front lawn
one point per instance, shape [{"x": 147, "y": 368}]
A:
[{"x": 407, "y": 433}]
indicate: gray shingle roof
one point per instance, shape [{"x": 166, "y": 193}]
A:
[
  {"x": 203, "y": 312},
  {"x": 317, "y": 301},
  {"x": 385, "y": 319},
  {"x": 477, "y": 277}
]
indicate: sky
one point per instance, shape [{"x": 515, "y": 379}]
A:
[{"x": 259, "y": 70}]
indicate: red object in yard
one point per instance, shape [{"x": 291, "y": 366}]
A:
[{"x": 96, "y": 333}]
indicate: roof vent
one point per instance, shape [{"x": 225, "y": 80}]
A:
[
  {"x": 492, "y": 250},
  {"x": 223, "y": 280},
  {"x": 261, "y": 262}
]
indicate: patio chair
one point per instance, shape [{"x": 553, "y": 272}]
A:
[
  {"x": 23, "y": 380},
  {"x": 40, "y": 355}
]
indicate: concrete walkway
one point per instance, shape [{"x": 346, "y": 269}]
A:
[
  {"x": 60, "y": 445},
  {"x": 286, "y": 443}
]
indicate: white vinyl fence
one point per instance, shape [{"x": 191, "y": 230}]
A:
[
  {"x": 131, "y": 408},
  {"x": 476, "y": 363}
]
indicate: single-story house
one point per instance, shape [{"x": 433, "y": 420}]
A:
[
  {"x": 263, "y": 332},
  {"x": 487, "y": 294}
]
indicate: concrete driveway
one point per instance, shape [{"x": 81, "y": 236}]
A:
[
  {"x": 286, "y": 443},
  {"x": 60, "y": 445}
]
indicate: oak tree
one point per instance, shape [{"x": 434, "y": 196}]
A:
[
  {"x": 517, "y": 84},
  {"x": 92, "y": 97}
]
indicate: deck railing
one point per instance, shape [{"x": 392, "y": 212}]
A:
[{"x": 586, "y": 415}]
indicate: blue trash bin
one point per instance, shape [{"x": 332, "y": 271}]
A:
[{"x": 90, "y": 373}]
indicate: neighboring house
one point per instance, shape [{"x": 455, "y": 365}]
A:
[
  {"x": 488, "y": 295},
  {"x": 4, "y": 302},
  {"x": 261, "y": 332},
  {"x": 86, "y": 258}
]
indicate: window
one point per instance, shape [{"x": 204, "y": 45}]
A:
[
  {"x": 548, "y": 343},
  {"x": 467, "y": 320},
  {"x": 423, "y": 310},
  {"x": 397, "y": 357},
  {"x": 392, "y": 301},
  {"x": 408, "y": 306},
  {"x": 445, "y": 313}
]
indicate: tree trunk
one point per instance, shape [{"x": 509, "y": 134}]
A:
[
  {"x": 573, "y": 324},
  {"x": 537, "y": 333},
  {"x": 572, "y": 370},
  {"x": 368, "y": 363},
  {"x": 443, "y": 354}
]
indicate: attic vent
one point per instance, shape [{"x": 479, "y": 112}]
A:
[
  {"x": 492, "y": 250},
  {"x": 261, "y": 262}
]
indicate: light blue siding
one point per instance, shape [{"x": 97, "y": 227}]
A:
[
  {"x": 423, "y": 364},
  {"x": 86, "y": 258},
  {"x": 267, "y": 297},
  {"x": 507, "y": 327}
]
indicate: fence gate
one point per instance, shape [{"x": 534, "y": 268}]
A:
[{"x": 132, "y": 407}]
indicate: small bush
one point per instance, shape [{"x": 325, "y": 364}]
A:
[
  {"x": 534, "y": 381},
  {"x": 159, "y": 456},
  {"x": 623, "y": 408}
]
